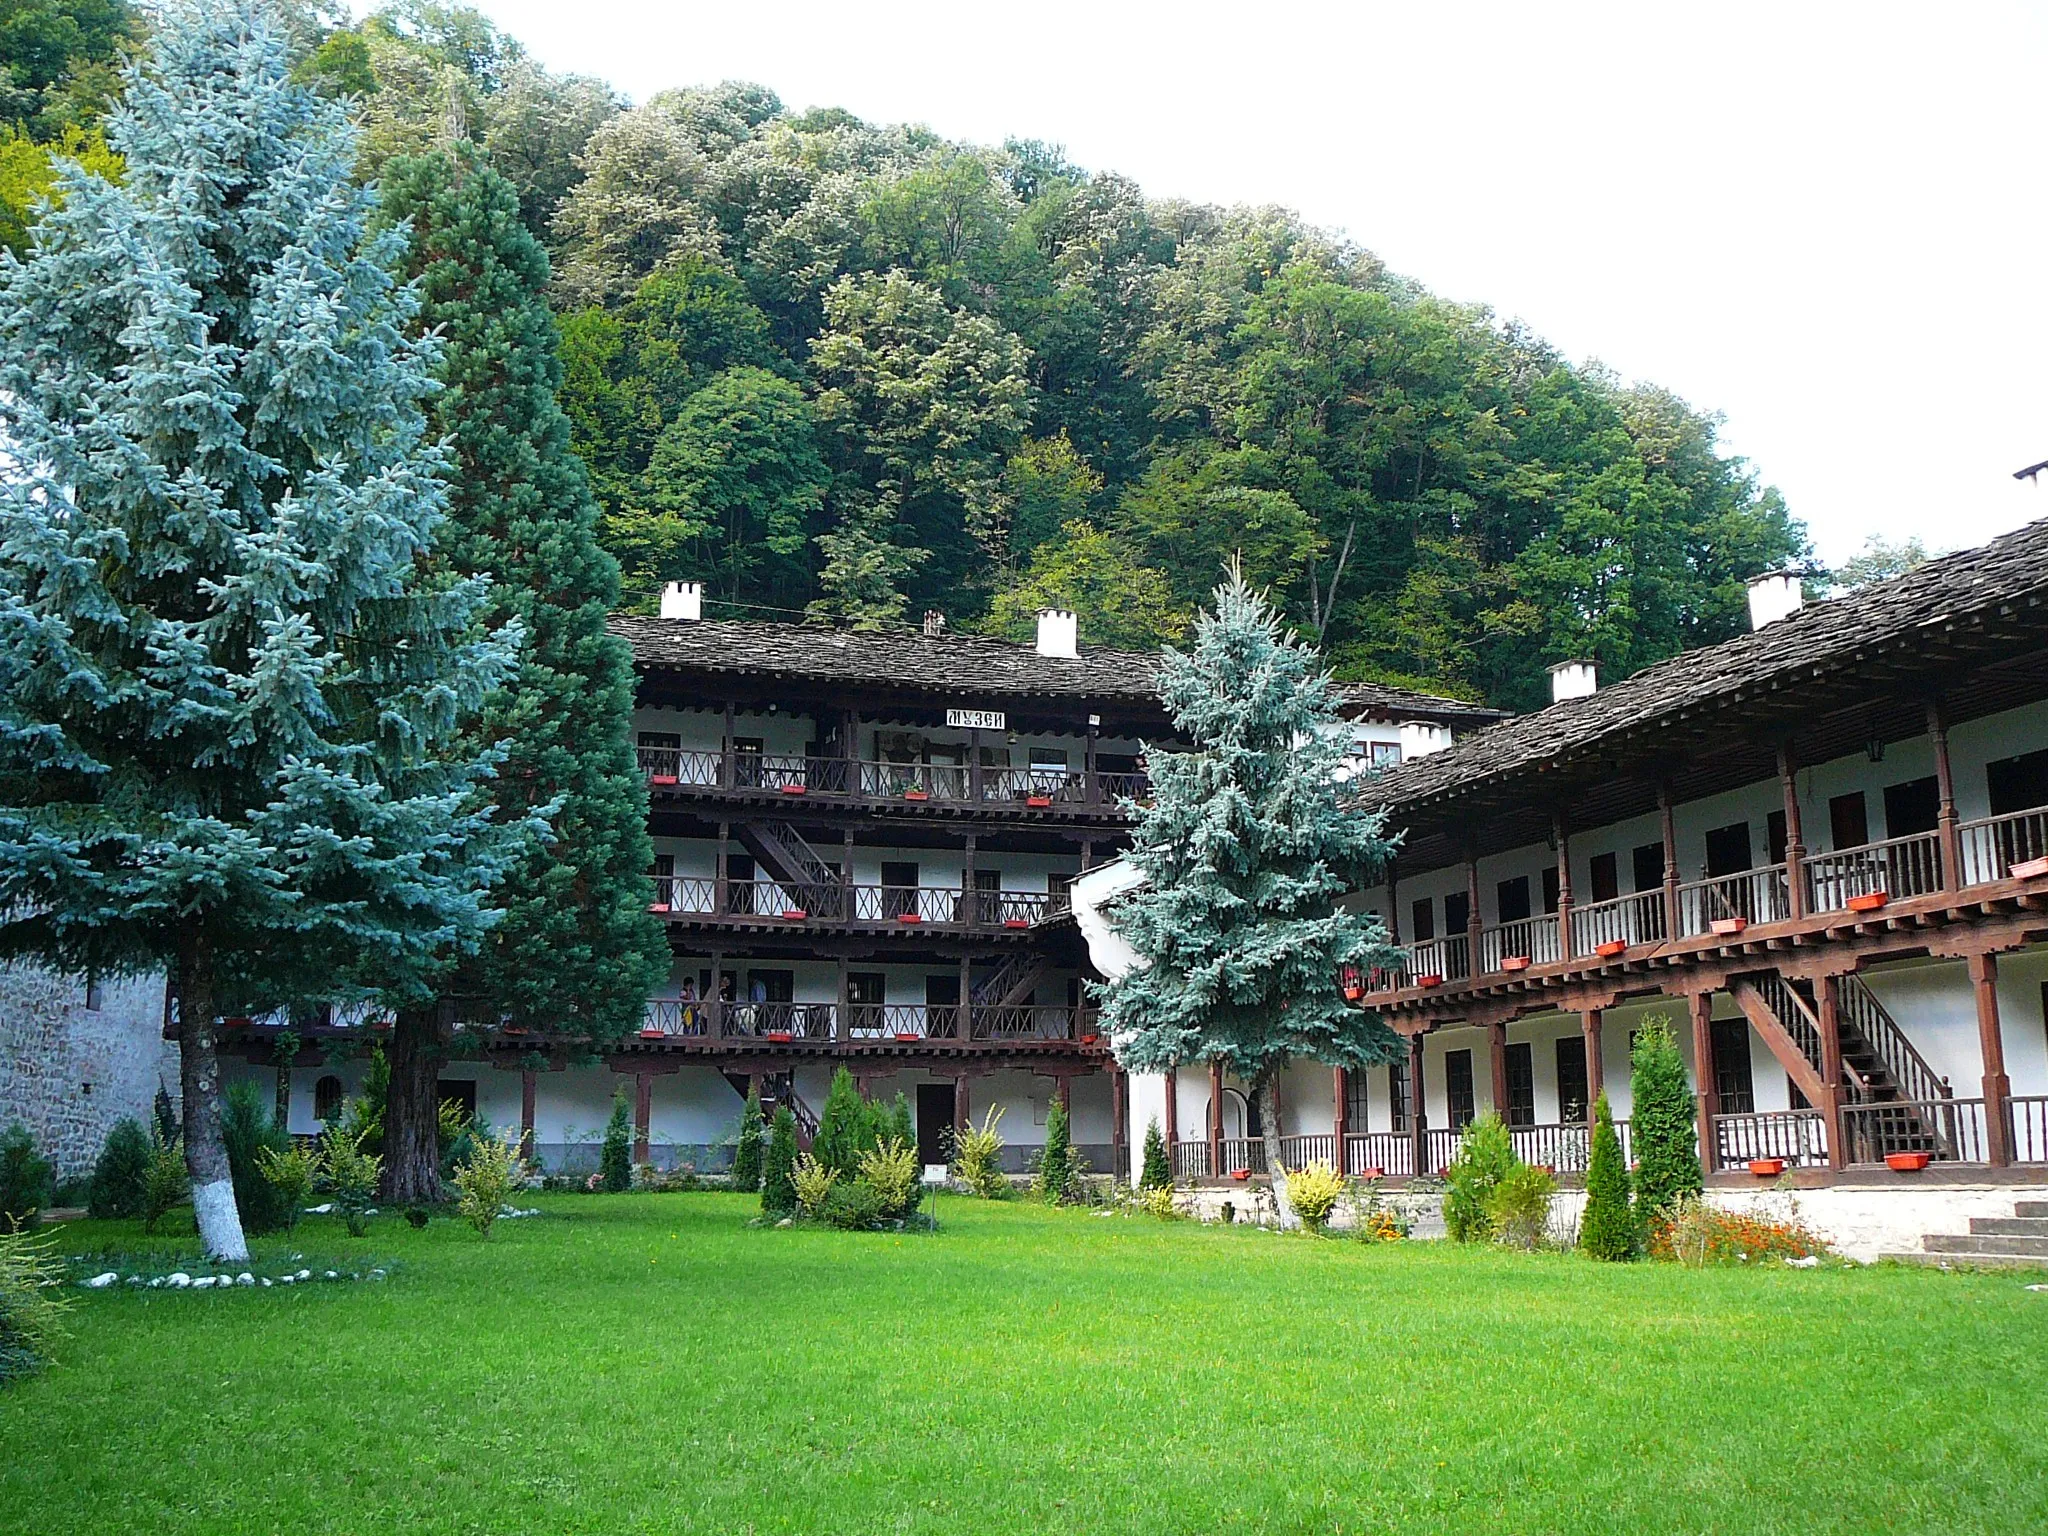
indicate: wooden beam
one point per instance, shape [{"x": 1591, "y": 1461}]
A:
[
  {"x": 643, "y": 1113},
  {"x": 1596, "y": 1069},
  {"x": 1828, "y": 994},
  {"x": 1707, "y": 1088},
  {"x": 1340, "y": 1116},
  {"x": 1991, "y": 1043},
  {"x": 1945, "y": 816},
  {"x": 1795, "y": 844},
  {"x": 1497, "y": 1060},
  {"x": 1667, "y": 821},
  {"x": 1216, "y": 1118},
  {"x": 1779, "y": 1039},
  {"x": 528, "y": 1089},
  {"x": 1418, "y": 1117},
  {"x": 1172, "y": 1109}
]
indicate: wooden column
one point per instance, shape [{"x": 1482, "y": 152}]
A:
[
  {"x": 643, "y": 1113},
  {"x": 1119, "y": 1122},
  {"x": 1497, "y": 1059},
  {"x": 1668, "y": 823},
  {"x": 1795, "y": 841},
  {"x": 1393, "y": 901},
  {"x": 1828, "y": 994},
  {"x": 720, "y": 891},
  {"x": 1596, "y": 1070},
  {"x": 1561, "y": 827},
  {"x": 842, "y": 1016},
  {"x": 970, "y": 898},
  {"x": 1216, "y": 1118},
  {"x": 714, "y": 999},
  {"x": 1091, "y": 787},
  {"x": 1472, "y": 923},
  {"x": 529, "y": 1084},
  {"x": 1418, "y": 1117},
  {"x": 1945, "y": 783},
  {"x": 846, "y": 896},
  {"x": 966, "y": 997},
  {"x": 960, "y": 1108},
  {"x": 850, "y": 747},
  {"x": 1991, "y": 1042},
  {"x": 1340, "y": 1119},
  {"x": 1707, "y": 1085},
  {"x": 725, "y": 774},
  {"x": 974, "y": 765},
  {"x": 1063, "y": 1085},
  {"x": 1172, "y": 1112}
]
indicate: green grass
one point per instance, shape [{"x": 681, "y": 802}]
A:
[{"x": 645, "y": 1363}]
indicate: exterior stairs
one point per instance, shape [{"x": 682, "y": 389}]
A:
[
  {"x": 1011, "y": 983},
  {"x": 2018, "y": 1241},
  {"x": 778, "y": 1088},
  {"x": 780, "y": 850}
]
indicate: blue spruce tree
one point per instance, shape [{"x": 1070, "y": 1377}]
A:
[
  {"x": 228, "y": 702},
  {"x": 1249, "y": 842}
]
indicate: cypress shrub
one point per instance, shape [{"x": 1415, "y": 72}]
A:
[
  {"x": 844, "y": 1130},
  {"x": 247, "y": 1130},
  {"x": 1663, "y": 1124},
  {"x": 902, "y": 1125},
  {"x": 120, "y": 1179},
  {"x": 1056, "y": 1162},
  {"x": 778, "y": 1167},
  {"x": 1608, "y": 1229},
  {"x": 746, "y": 1157},
  {"x": 1157, "y": 1172},
  {"x": 1486, "y": 1155},
  {"x": 615, "y": 1161},
  {"x": 25, "y": 1179}
]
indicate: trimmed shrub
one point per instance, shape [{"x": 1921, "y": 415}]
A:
[
  {"x": 1485, "y": 1156},
  {"x": 900, "y": 1124},
  {"x": 813, "y": 1181},
  {"x": 248, "y": 1130},
  {"x": 485, "y": 1179},
  {"x": 31, "y": 1306},
  {"x": 1663, "y": 1125},
  {"x": 1608, "y": 1229},
  {"x": 978, "y": 1157},
  {"x": 615, "y": 1159},
  {"x": 1157, "y": 1170},
  {"x": 350, "y": 1175},
  {"x": 778, "y": 1167},
  {"x": 891, "y": 1170},
  {"x": 854, "y": 1207},
  {"x": 1158, "y": 1201},
  {"x": 166, "y": 1182},
  {"x": 1314, "y": 1190},
  {"x": 25, "y": 1179},
  {"x": 290, "y": 1173},
  {"x": 1056, "y": 1161},
  {"x": 119, "y": 1176},
  {"x": 1519, "y": 1207},
  {"x": 746, "y": 1153}
]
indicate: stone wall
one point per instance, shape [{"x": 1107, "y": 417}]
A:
[{"x": 69, "y": 1071}]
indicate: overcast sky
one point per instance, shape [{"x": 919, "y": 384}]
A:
[{"x": 1824, "y": 222}]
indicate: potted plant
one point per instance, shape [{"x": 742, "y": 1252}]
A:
[
  {"x": 795, "y": 789},
  {"x": 1038, "y": 802},
  {"x": 779, "y": 1036},
  {"x": 1240, "y": 1174},
  {"x": 1514, "y": 962},
  {"x": 657, "y": 906},
  {"x": 1353, "y": 993},
  {"x": 1016, "y": 922},
  {"x": 2027, "y": 869},
  {"x": 650, "y": 1034},
  {"x": 1372, "y": 1173},
  {"x": 1090, "y": 1039},
  {"x": 1869, "y": 901},
  {"x": 908, "y": 1034},
  {"x": 1429, "y": 981},
  {"x": 1728, "y": 927},
  {"x": 662, "y": 780},
  {"x": 1767, "y": 1167},
  {"x": 1610, "y": 949},
  {"x": 909, "y": 917},
  {"x": 794, "y": 914},
  {"x": 915, "y": 794},
  {"x": 1907, "y": 1162}
]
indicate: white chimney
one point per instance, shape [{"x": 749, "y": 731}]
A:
[
  {"x": 1059, "y": 633},
  {"x": 1773, "y": 597},
  {"x": 683, "y": 600},
  {"x": 934, "y": 622},
  {"x": 1419, "y": 738},
  {"x": 1572, "y": 680}
]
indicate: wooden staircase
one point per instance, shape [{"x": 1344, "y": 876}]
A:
[
  {"x": 2018, "y": 1241},
  {"x": 777, "y": 1089},
  {"x": 1011, "y": 983},
  {"x": 782, "y": 851}
]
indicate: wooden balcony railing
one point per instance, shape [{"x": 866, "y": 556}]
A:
[
  {"x": 792, "y": 1022},
  {"x": 1036, "y": 788},
  {"x": 1897, "y": 867},
  {"x": 1992, "y": 846},
  {"x": 1632, "y": 919},
  {"x": 1751, "y": 896},
  {"x": 1300, "y": 1151},
  {"x": 2029, "y": 1127},
  {"x": 897, "y": 905},
  {"x": 1798, "y": 1136},
  {"x": 1391, "y": 1152},
  {"x": 1190, "y": 1161},
  {"x": 1529, "y": 941}
]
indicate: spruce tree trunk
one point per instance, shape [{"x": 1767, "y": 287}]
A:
[
  {"x": 206, "y": 1154},
  {"x": 1268, "y": 1090},
  {"x": 412, "y": 1109}
]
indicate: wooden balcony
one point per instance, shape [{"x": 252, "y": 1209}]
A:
[
  {"x": 1913, "y": 882},
  {"x": 1382, "y": 1154},
  {"x": 874, "y": 908},
  {"x": 1949, "y": 1132},
  {"x": 807, "y": 1028},
  {"x": 1040, "y": 792}
]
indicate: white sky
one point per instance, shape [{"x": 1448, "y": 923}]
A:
[{"x": 1824, "y": 222}]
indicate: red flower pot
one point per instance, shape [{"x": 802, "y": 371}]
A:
[
  {"x": 1038, "y": 802},
  {"x": 1547, "y": 1168},
  {"x": 1767, "y": 1167},
  {"x": 650, "y": 1034},
  {"x": 794, "y": 914},
  {"x": 909, "y": 917},
  {"x": 1514, "y": 962},
  {"x": 795, "y": 789},
  {"x": 2027, "y": 869},
  {"x": 1353, "y": 994},
  {"x": 1240, "y": 1174},
  {"x": 779, "y": 1036},
  {"x": 915, "y": 794},
  {"x": 1090, "y": 1039},
  {"x": 236, "y": 1022},
  {"x": 1907, "y": 1162},
  {"x": 1728, "y": 927},
  {"x": 908, "y": 1034},
  {"x": 1869, "y": 901},
  {"x": 1610, "y": 949},
  {"x": 1016, "y": 922},
  {"x": 657, "y": 906},
  {"x": 1372, "y": 1173},
  {"x": 662, "y": 780},
  {"x": 1429, "y": 981}
]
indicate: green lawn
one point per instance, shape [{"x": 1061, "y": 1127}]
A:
[{"x": 645, "y": 1363}]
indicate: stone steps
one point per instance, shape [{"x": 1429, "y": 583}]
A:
[
  {"x": 1986, "y": 1242},
  {"x": 2018, "y": 1241},
  {"x": 1971, "y": 1260},
  {"x": 2011, "y": 1226},
  {"x": 2032, "y": 1210}
]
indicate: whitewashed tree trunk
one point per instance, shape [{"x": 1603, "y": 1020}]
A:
[
  {"x": 1269, "y": 1095},
  {"x": 206, "y": 1154}
]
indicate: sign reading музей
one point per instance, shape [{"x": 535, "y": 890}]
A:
[{"x": 977, "y": 719}]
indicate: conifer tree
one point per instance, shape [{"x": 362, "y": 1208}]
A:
[
  {"x": 778, "y": 1167},
  {"x": 1157, "y": 1171},
  {"x": 229, "y": 703},
  {"x": 1056, "y": 1162},
  {"x": 577, "y": 951},
  {"x": 1608, "y": 1229},
  {"x": 1662, "y": 1124},
  {"x": 746, "y": 1156},
  {"x": 1250, "y": 840},
  {"x": 840, "y": 1142},
  {"x": 615, "y": 1158}
]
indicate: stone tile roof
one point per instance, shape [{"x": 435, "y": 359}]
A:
[
  {"x": 1968, "y": 605},
  {"x": 950, "y": 663}
]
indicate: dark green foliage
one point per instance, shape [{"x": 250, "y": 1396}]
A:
[
  {"x": 844, "y": 1126},
  {"x": 854, "y": 1205},
  {"x": 120, "y": 1177},
  {"x": 902, "y": 1124},
  {"x": 247, "y": 1127},
  {"x": 1056, "y": 1161},
  {"x": 615, "y": 1160},
  {"x": 1485, "y": 1156},
  {"x": 1662, "y": 1124},
  {"x": 1608, "y": 1229},
  {"x": 58, "y": 61},
  {"x": 25, "y": 1179},
  {"x": 365, "y": 1114},
  {"x": 165, "y": 1115},
  {"x": 577, "y": 950},
  {"x": 746, "y": 1156},
  {"x": 778, "y": 1167},
  {"x": 1157, "y": 1172}
]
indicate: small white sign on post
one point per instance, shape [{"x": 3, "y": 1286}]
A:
[{"x": 977, "y": 719}]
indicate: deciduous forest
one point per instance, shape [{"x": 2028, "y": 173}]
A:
[{"x": 860, "y": 372}]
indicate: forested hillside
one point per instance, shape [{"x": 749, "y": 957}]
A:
[{"x": 861, "y": 372}]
